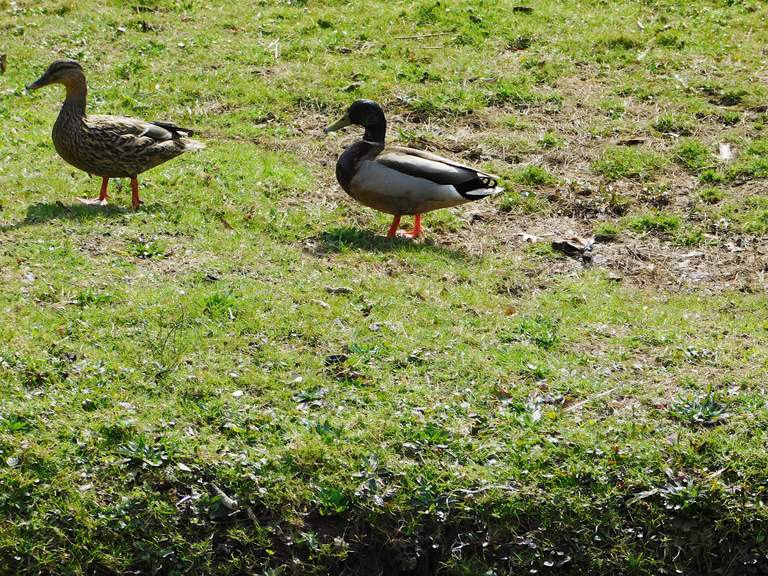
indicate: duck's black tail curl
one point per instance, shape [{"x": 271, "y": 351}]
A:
[
  {"x": 477, "y": 187},
  {"x": 488, "y": 181}
]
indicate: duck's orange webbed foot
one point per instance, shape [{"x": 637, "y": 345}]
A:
[{"x": 102, "y": 199}]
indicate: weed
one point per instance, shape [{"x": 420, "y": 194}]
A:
[
  {"x": 525, "y": 202},
  {"x": 689, "y": 236},
  {"x": 329, "y": 433},
  {"x": 550, "y": 140},
  {"x": 140, "y": 452},
  {"x": 703, "y": 409},
  {"x": 711, "y": 176},
  {"x": 671, "y": 123},
  {"x": 146, "y": 250},
  {"x": 541, "y": 249},
  {"x": 731, "y": 117},
  {"x": 219, "y": 302},
  {"x": 90, "y": 298},
  {"x": 332, "y": 499},
  {"x": 13, "y": 424},
  {"x": 756, "y": 222}
]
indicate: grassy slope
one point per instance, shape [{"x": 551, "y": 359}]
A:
[{"x": 448, "y": 437}]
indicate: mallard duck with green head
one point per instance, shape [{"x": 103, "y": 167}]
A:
[
  {"x": 108, "y": 146},
  {"x": 402, "y": 181}
]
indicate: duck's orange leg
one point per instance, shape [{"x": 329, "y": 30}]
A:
[
  {"x": 102, "y": 199},
  {"x": 417, "y": 231},
  {"x": 135, "y": 194},
  {"x": 393, "y": 229}
]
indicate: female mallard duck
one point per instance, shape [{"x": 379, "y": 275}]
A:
[
  {"x": 402, "y": 181},
  {"x": 108, "y": 146}
]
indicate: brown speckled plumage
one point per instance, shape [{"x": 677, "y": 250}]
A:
[{"x": 108, "y": 146}]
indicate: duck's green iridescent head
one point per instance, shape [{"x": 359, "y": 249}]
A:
[{"x": 365, "y": 113}]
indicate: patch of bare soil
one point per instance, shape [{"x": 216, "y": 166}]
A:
[{"x": 581, "y": 200}]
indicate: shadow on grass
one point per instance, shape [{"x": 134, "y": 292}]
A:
[
  {"x": 346, "y": 239},
  {"x": 40, "y": 213}
]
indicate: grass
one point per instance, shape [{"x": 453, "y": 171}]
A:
[
  {"x": 693, "y": 154},
  {"x": 631, "y": 163},
  {"x": 245, "y": 377}
]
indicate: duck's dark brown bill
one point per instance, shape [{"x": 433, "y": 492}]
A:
[{"x": 43, "y": 81}]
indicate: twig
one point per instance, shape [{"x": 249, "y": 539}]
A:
[
  {"x": 424, "y": 36},
  {"x": 580, "y": 404},
  {"x": 228, "y": 502},
  {"x": 645, "y": 53},
  {"x": 484, "y": 489}
]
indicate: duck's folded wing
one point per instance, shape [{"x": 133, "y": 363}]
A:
[
  {"x": 430, "y": 166},
  {"x": 122, "y": 126}
]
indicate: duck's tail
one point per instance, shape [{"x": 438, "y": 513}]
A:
[
  {"x": 479, "y": 187},
  {"x": 192, "y": 145}
]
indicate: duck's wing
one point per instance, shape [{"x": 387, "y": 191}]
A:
[
  {"x": 431, "y": 166},
  {"x": 118, "y": 146},
  {"x": 124, "y": 126},
  {"x": 176, "y": 131},
  {"x": 124, "y": 132},
  {"x": 398, "y": 182}
]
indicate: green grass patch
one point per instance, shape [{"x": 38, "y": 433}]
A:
[
  {"x": 711, "y": 195},
  {"x": 533, "y": 176},
  {"x": 674, "y": 123},
  {"x": 711, "y": 176},
  {"x": 628, "y": 162},
  {"x": 607, "y": 230},
  {"x": 693, "y": 154},
  {"x": 245, "y": 376},
  {"x": 551, "y": 140},
  {"x": 656, "y": 221}
]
